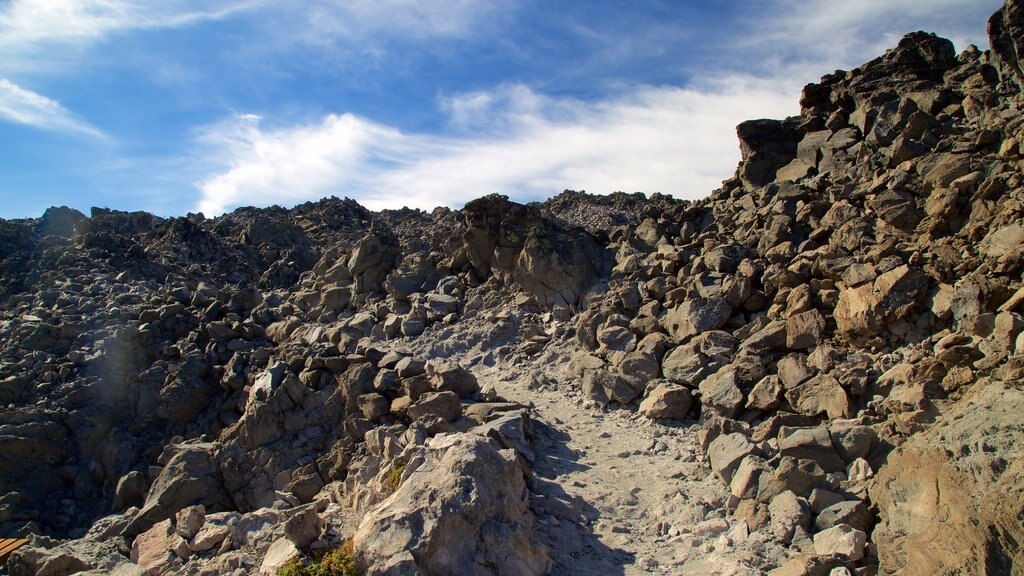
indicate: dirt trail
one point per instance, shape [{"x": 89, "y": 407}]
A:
[{"x": 614, "y": 492}]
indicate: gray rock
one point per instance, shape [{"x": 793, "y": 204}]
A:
[
  {"x": 304, "y": 527},
  {"x": 810, "y": 444},
  {"x": 189, "y": 478},
  {"x": 445, "y": 405},
  {"x": 131, "y": 491},
  {"x": 605, "y": 386},
  {"x": 696, "y": 316},
  {"x": 851, "y": 512},
  {"x": 852, "y": 441},
  {"x": 373, "y": 406},
  {"x": 448, "y": 376}
]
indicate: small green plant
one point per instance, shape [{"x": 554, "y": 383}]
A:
[
  {"x": 294, "y": 567},
  {"x": 394, "y": 478},
  {"x": 337, "y": 561}
]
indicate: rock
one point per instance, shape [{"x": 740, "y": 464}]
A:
[
  {"x": 373, "y": 406},
  {"x": 513, "y": 430},
  {"x": 303, "y": 528},
  {"x": 279, "y": 553},
  {"x": 189, "y": 478},
  {"x": 819, "y": 395},
  {"x": 720, "y": 392},
  {"x": 130, "y": 491},
  {"x": 448, "y": 376},
  {"x": 409, "y": 367},
  {"x": 445, "y": 405},
  {"x": 765, "y": 394},
  {"x": 437, "y": 525},
  {"x": 863, "y": 311},
  {"x": 616, "y": 339},
  {"x": 852, "y": 441},
  {"x": 791, "y": 475},
  {"x": 804, "y": 330},
  {"x": 765, "y": 146},
  {"x": 29, "y": 561},
  {"x": 843, "y": 540},
  {"x": 188, "y": 521},
  {"x": 810, "y": 444},
  {"x": 641, "y": 365},
  {"x": 667, "y": 400},
  {"x": 821, "y": 499},
  {"x": 771, "y": 337},
  {"x": 851, "y": 512},
  {"x": 789, "y": 515},
  {"x": 809, "y": 566},
  {"x": 1002, "y": 241},
  {"x": 153, "y": 549},
  {"x": 412, "y": 327},
  {"x": 697, "y": 316},
  {"x": 694, "y": 361},
  {"x": 727, "y": 452},
  {"x": 604, "y": 386},
  {"x": 209, "y": 536},
  {"x": 1004, "y": 33},
  {"x": 793, "y": 370},
  {"x": 745, "y": 482},
  {"x": 936, "y": 513}
]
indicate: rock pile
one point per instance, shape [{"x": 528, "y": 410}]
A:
[{"x": 842, "y": 320}]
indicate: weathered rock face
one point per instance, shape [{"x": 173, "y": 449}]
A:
[
  {"x": 950, "y": 499},
  {"x": 462, "y": 509}
]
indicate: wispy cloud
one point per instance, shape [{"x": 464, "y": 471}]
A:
[
  {"x": 26, "y": 107},
  {"x": 408, "y": 19},
  {"x": 28, "y": 28},
  {"x": 845, "y": 34},
  {"x": 512, "y": 141}
]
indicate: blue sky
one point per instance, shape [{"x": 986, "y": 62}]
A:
[{"x": 207, "y": 105}]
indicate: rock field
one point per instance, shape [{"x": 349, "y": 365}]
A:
[{"x": 816, "y": 370}]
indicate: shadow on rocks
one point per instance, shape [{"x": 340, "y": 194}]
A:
[{"x": 565, "y": 522}]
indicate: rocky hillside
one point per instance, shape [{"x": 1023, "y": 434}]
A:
[{"x": 815, "y": 370}]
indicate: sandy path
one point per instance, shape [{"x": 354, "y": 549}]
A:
[{"x": 614, "y": 492}]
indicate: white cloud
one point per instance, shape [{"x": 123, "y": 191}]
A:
[
  {"x": 825, "y": 33},
  {"x": 511, "y": 141},
  {"x": 29, "y": 29},
  {"x": 26, "y": 107}
]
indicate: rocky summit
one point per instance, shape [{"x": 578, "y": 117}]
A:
[{"x": 816, "y": 370}]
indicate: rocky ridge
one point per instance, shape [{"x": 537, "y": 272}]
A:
[{"x": 815, "y": 370}]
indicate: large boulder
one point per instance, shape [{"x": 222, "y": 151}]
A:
[
  {"x": 462, "y": 510},
  {"x": 190, "y": 477}
]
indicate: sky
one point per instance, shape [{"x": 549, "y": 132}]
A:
[{"x": 184, "y": 106}]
